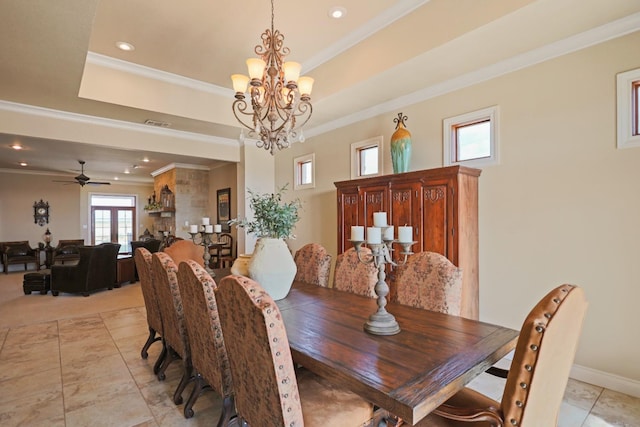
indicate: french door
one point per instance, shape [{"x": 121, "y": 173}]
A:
[{"x": 113, "y": 224}]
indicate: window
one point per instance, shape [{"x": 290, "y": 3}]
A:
[
  {"x": 628, "y": 88},
  {"x": 112, "y": 220},
  {"x": 366, "y": 158},
  {"x": 304, "y": 171},
  {"x": 471, "y": 139}
]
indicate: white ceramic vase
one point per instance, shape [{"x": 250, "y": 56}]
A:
[{"x": 272, "y": 267}]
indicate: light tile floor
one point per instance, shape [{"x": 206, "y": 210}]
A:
[{"x": 86, "y": 369}]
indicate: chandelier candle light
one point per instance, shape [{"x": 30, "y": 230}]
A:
[
  {"x": 280, "y": 98},
  {"x": 380, "y": 238},
  {"x": 201, "y": 235}
]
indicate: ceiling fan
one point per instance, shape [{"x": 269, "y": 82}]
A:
[{"x": 83, "y": 179}]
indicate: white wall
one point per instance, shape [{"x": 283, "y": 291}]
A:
[{"x": 561, "y": 207}]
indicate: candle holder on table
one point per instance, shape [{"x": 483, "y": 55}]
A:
[
  {"x": 382, "y": 322},
  {"x": 203, "y": 238}
]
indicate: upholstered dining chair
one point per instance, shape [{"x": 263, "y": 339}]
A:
[
  {"x": 143, "y": 259},
  {"x": 314, "y": 264},
  {"x": 174, "y": 331},
  {"x": 208, "y": 352},
  {"x": 539, "y": 371},
  {"x": 182, "y": 250},
  {"x": 268, "y": 390},
  {"x": 429, "y": 280},
  {"x": 351, "y": 275}
]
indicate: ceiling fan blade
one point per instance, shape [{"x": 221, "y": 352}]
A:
[
  {"x": 67, "y": 182},
  {"x": 97, "y": 183}
]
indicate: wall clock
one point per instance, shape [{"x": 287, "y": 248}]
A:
[{"x": 41, "y": 213}]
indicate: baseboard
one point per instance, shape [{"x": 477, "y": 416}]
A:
[
  {"x": 605, "y": 379},
  {"x": 598, "y": 378}
]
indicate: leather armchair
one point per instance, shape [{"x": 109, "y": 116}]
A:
[
  {"x": 19, "y": 252},
  {"x": 66, "y": 251},
  {"x": 96, "y": 269},
  {"x": 152, "y": 245}
]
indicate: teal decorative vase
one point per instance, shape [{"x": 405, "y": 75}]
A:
[{"x": 400, "y": 146}]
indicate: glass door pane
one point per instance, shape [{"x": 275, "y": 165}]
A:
[
  {"x": 102, "y": 225},
  {"x": 125, "y": 229}
]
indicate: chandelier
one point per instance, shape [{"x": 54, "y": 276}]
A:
[{"x": 280, "y": 98}]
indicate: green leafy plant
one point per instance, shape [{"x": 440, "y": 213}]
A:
[{"x": 272, "y": 217}]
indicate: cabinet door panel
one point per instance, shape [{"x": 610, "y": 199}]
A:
[
  {"x": 435, "y": 233},
  {"x": 405, "y": 210},
  {"x": 374, "y": 200},
  {"x": 348, "y": 214}
]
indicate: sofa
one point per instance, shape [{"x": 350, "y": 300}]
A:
[
  {"x": 96, "y": 269},
  {"x": 66, "y": 251},
  {"x": 19, "y": 252}
]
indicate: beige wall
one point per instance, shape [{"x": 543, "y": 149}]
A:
[
  {"x": 69, "y": 207},
  {"x": 562, "y": 205}
]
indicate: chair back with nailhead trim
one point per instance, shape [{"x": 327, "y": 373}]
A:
[
  {"x": 264, "y": 379},
  {"x": 544, "y": 354}
]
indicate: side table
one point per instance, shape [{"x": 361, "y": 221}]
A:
[{"x": 126, "y": 270}]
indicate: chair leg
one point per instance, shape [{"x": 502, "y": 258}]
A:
[
  {"x": 150, "y": 340},
  {"x": 228, "y": 411},
  {"x": 187, "y": 377},
  {"x": 160, "y": 361},
  {"x": 170, "y": 356},
  {"x": 199, "y": 386}
]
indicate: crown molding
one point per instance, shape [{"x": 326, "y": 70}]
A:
[
  {"x": 612, "y": 30},
  {"x": 180, "y": 166},
  {"x": 125, "y": 181},
  {"x": 36, "y": 111},
  {"x": 155, "y": 74}
]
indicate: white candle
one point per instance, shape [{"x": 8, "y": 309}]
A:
[
  {"x": 388, "y": 233},
  {"x": 379, "y": 219},
  {"x": 208, "y": 228},
  {"x": 405, "y": 234},
  {"x": 357, "y": 233},
  {"x": 193, "y": 228},
  {"x": 374, "y": 235},
  {"x": 205, "y": 221},
  {"x": 217, "y": 228}
]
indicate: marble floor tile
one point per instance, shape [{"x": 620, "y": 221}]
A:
[
  {"x": 579, "y": 398},
  {"x": 45, "y": 408},
  {"x": 614, "y": 409},
  {"x": 36, "y": 383},
  {"x": 111, "y": 366},
  {"x": 123, "y": 409}
]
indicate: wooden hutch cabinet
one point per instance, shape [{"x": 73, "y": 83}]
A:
[{"x": 442, "y": 206}]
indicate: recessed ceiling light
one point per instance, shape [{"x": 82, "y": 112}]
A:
[
  {"x": 146, "y": 160},
  {"x": 16, "y": 146},
  {"x": 127, "y": 47},
  {"x": 337, "y": 12},
  {"x": 116, "y": 178},
  {"x": 127, "y": 171},
  {"x": 23, "y": 164}
]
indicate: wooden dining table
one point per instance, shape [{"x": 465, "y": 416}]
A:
[{"x": 410, "y": 373}]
